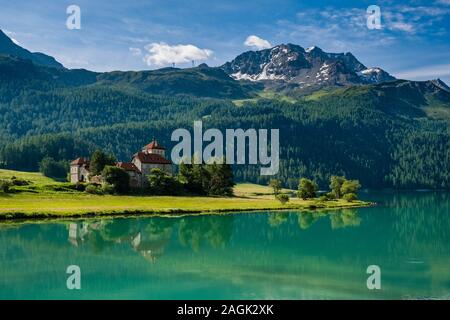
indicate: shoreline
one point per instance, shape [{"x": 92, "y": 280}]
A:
[{"x": 19, "y": 216}]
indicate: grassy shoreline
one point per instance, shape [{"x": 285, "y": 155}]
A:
[
  {"x": 44, "y": 207},
  {"x": 43, "y": 204}
]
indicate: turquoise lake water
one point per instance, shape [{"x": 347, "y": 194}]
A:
[{"x": 268, "y": 255}]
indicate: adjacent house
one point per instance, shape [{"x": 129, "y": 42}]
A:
[
  {"x": 133, "y": 172},
  {"x": 150, "y": 157},
  {"x": 79, "y": 170}
]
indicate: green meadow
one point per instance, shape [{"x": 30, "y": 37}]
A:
[{"x": 46, "y": 198}]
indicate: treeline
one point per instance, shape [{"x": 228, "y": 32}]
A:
[
  {"x": 340, "y": 188},
  {"x": 26, "y": 154}
]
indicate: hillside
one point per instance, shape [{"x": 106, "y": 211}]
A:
[
  {"x": 8, "y": 47},
  {"x": 201, "y": 81}
]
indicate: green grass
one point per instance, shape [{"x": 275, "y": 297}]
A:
[
  {"x": 46, "y": 200},
  {"x": 317, "y": 95},
  {"x": 272, "y": 95},
  {"x": 34, "y": 177},
  {"x": 251, "y": 189},
  {"x": 29, "y": 205},
  {"x": 438, "y": 112}
]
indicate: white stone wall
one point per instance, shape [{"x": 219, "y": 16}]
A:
[{"x": 78, "y": 174}]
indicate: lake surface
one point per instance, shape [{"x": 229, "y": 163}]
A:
[{"x": 283, "y": 255}]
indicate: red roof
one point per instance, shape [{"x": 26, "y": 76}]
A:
[
  {"x": 128, "y": 166},
  {"x": 154, "y": 145},
  {"x": 152, "y": 158},
  {"x": 80, "y": 161}
]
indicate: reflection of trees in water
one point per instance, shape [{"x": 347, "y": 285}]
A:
[
  {"x": 421, "y": 223},
  {"x": 146, "y": 236},
  {"x": 307, "y": 219},
  {"x": 214, "y": 230},
  {"x": 150, "y": 236},
  {"x": 277, "y": 219},
  {"x": 118, "y": 230},
  {"x": 345, "y": 218},
  {"x": 339, "y": 219}
]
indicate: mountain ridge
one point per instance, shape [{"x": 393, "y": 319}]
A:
[
  {"x": 7, "y": 46},
  {"x": 305, "y": 68}
]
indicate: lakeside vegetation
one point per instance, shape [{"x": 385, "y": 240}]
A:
[{"x": 47, "y": 198}]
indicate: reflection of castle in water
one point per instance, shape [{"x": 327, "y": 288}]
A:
[
  {"x": 78, "y": 231},
  {"x": 150, "y": 244},
  {"x": 151, "y": 236}
]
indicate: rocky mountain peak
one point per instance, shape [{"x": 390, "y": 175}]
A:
[{"x": 313, "y": 67}]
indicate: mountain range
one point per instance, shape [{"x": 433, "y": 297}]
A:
[
  {"x": 285, "y": 68},
  {"x": 310, "y": 69},
  {"x": 335, "y": 115}
]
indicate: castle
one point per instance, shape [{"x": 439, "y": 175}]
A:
[{"x": 150, "y": 157}]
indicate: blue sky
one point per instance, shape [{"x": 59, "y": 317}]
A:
[{"x": 413, "y": 43}]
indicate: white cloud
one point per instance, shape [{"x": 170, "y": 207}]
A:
[
  {"x": 160, "y": 54},
  {"x": 402, "y": 26},
  {"x": 257, "y": 42},
  {"x": 135, "y": 51},
  {"x": 429, "y": 72}
]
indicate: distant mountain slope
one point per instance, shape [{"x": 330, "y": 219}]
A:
[
  {"x": 201, "y": 81},
  {"x": 8, "y": 47},
  {"x": 397, "y": 95},
  {"x": 18, "y": 75},
  {"x": 307, "y": 69}
]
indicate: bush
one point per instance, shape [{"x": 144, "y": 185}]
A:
[
  {"x": 275, "y": 184},
  {"x": 5, "y": 185},
  {"x": 52, "y": 168},
  {"x": 283, "y": 198},
  {"x": 330, "y": 195},
  {"x": 350, "y": 197},
  {"x": 79, "y": 186},
  {"x": 94, "y": 189},
  {"x": 307, "y": 189},
  {"x": 161, "y": 183},
  {"x": 108, "y": 188},
  {"x": 323, "y": 198},
  {"x": 55, "y": 187},
  {"x": 350, "y": 186},
  {"x": 19, "y": 182},
  {"x": 117, "y": 177}
]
